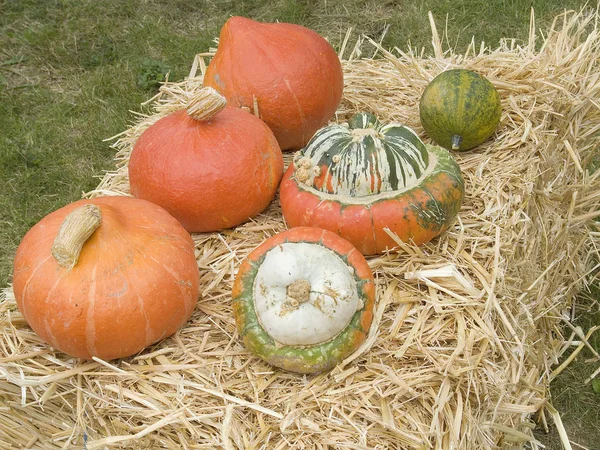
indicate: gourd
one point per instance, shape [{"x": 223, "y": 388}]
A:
[
  {"x": 106, "y": 277},
  {"x": 211, "y": 166},
  {"x": 289, "y": 72},
  {"x": 460, "y": 109},
  {"x": 361, "y": 179},
  {"x": 303, "y": 300}
]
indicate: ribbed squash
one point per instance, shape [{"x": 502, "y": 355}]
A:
[
  {"x": 360, "y": 179},
  {"x": 303, "y": 300},
  {"x": 460, "y": 109}
]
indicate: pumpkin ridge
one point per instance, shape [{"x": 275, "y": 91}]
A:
[
  {"x": 231, "y": 75},
  {"x": 90, "y": 322},
  {"x": 149, "y": 335},
  {"x": 50, "y": 335},
  {"x": 28, "y": 283},
  {"x": 372, "y": 219},
  {"x": 298, "y": 106},
  {"x": 178, "y": 281},
  {"x": 48, "y": 329}
]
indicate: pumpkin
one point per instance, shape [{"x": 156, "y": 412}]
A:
[
  {"x": 303, "y": 300},
  {"x": 106, "y": 277},
  {"x": 460, "y": 109},
  {"x": 211, "y": 166},
  {"x": 290, "y": 72},
  {"x": 359, "y": 179}
]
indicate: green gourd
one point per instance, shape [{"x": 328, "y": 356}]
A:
[{"x": 460, "y": 109}]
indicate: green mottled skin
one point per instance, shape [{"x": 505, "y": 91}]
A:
[
  {"x": 444, "y": 204},
  {"x": 309, "y": 359},
  {"x": 462, "y": 103}
]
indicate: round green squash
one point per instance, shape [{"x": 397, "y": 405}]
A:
[
  {"x": 366, "y": 178},
  {"x": 460, "y": 109}
]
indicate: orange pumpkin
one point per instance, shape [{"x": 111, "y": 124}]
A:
[
  {"x": 291, "y": 72},
  {"x": 211, "y": 166},
  {"x": 303, "y": 300},
  {"x": 106, "y": 277}
]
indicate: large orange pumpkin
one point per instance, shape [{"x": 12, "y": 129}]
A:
[
  {"x": 211, "y": 166},
  {"x": 292, "y": 73},
  {"x": 106, "y": 277}
]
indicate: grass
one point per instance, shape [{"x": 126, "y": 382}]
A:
[
  {"x": 577, "y": 400},
  {"x": 70, "y": 72}
]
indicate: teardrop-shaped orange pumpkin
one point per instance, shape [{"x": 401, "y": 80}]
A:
[{"x": 292, "y": 73}]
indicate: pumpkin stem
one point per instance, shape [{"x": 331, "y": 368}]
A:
[
  {"x": 299, "y": 291},
  {"x": 205, "y": 104},
  {"x": 358, "y": 134},
  {"x": 456, "y": 141},
  {"x": 75, "y": 230}
]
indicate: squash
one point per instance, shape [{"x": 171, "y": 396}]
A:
[
  {"x": 290, "y": 72},
  {"x": 106, "y": 277},
  {"x": 211, "y": 166},
  {"x": 460, "y": 109},
  {"x": 303, "y": 300},
  {"x": 358, "y": 180}
]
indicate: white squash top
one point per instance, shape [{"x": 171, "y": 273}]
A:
[{"x": 304, "y": 294}]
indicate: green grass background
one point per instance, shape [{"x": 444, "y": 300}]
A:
[{"x": 71, "y": 72}]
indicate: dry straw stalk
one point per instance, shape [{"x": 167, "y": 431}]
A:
[{"x": 466, "y": 329}]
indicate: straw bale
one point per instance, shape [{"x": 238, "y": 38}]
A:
[{"x": 466, "y": 330}]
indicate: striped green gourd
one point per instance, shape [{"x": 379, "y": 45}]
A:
[
  {"x": 460, "y": 109},
  {"x": 362, "y": 158}
]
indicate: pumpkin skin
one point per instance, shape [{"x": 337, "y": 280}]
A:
[
  {"x": 460, "y": 109},
  {"x": 209, "y": 174},
  {"x": 292, "y": 72},
  {"x": 136, "y": 280},
  {"x": 284, "y": 259},
  {"x": 356, "y": 182}
]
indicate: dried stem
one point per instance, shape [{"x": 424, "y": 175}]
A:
[{"x": 73, "y": 233}]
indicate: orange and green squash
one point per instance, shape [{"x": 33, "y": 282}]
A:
[
  {"x": 358, "y": 180},
  {"x": 303, "y": 300}
]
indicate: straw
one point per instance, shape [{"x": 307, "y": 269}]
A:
[{"x": 466, "y": 330}]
